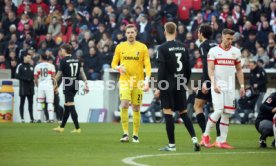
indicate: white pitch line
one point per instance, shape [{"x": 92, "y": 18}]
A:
[{"x": 130, "y": 160}]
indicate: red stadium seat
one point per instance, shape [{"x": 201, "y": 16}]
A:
[
  {"x": 197, "y": 5},
  {"x": 184, "y": 9},
  {"x": 41, "y": 38}
]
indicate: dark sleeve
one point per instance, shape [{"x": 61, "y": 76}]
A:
[
  {"x": 187, "y": 66},
  {"x": 161, "y": 72},
  {"x": 269, "y": 103},
  {"x": 160, "y": 56},
  {"x": 98, "y": 66},
  {"x": 204, "y": 52},
  {"x": 251, "y": 79},
  {"x": 161, "y": 65},
  {"x": 21, "y": 75},
  {"x": 263, "y": 77},
  {"x": 61, "y": 66}
]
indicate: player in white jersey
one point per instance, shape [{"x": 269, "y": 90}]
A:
[
  {"x": 44, "y": 73},
  {"x": 223, "y": 62}
]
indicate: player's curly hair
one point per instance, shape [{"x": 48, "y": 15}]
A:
[{"x": 67, "y": 48}]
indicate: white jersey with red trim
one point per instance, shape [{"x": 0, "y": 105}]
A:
[
  {"x": 44, "y": 72},
  {"x": 225, "y": 62}
]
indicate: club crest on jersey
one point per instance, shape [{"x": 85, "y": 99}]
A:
[
  {"x": 258, "y": 75},
  {"x": 233, "y": 55},
  {"x": 31, "y": 68},
  {"x": 269, "y": 100},
  {"x": 137, "y": 53}
]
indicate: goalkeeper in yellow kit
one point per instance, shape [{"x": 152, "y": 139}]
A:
[{"x": 130, "y": 59}]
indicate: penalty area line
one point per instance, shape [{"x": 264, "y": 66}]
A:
[{"x": 130, "y": 160}]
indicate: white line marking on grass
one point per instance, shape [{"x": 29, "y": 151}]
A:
[{"x": 130, "y": 160}]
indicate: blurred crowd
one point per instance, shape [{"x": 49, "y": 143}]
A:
[{"x": 95, "y": 27}]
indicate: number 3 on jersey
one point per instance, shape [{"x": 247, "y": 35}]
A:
[
  {"x": 74, "y": 69},
  {"x": 180, "y": 65}
]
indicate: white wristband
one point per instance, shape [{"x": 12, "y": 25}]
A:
[{"x": 242, "y": 85}]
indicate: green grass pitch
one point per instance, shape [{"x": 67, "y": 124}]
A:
[{"x": 98, "y": 145}]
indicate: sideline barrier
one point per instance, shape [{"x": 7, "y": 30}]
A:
[{"x": 100, "y": 97}]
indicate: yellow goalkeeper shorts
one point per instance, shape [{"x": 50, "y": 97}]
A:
[{"x": 135, "y": 95}]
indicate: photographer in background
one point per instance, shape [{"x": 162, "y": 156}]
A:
[
  {"x": 265, "y": 122},
  {"x": 257, "y": 81}
]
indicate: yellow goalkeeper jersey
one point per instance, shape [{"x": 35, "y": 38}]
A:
[{"x": 134, "y": 57}]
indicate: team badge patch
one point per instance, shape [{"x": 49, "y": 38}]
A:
[{"x": 269, "y": 100}]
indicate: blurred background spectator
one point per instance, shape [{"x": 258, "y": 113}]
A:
[{"x": 41, "y": 25}]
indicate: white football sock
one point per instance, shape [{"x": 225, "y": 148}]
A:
[
  {"x": 224, "y": 125},
  {"x": 212, "y": 120},
  {"x": 50, "y": 111}
]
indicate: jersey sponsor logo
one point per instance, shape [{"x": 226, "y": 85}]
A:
[
  {"x": 176, "y": 49},
  {"x": 226, "y": 62},
  {"x": 178, "y": 75},
  {"x": 71, "y": 60},
  {"x": 131, "y": 58},
  {"x": 269, "y": 100}
]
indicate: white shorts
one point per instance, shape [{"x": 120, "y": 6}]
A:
[
  {"x": 225, "y": 101},
  {"x": 45, "y": 92}
]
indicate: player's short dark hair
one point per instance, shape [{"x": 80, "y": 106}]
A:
[
  {"x": 131, "y": 26},
  {"x": 227, "y": 31},
  {"x": 206, "y": 31},
  {"x": 44, "y": 57},
  {"x": 170, "y": 27},
  {"x": 67, "y": 48}
]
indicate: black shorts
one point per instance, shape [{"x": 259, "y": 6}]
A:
[
  {"x": 175, "y": 100},
  {"x": 69, "y": 95},
  {"x": 207, "y": 97}
]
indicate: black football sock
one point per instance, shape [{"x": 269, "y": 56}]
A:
[
  {"x": 46, "y": 113},
  {"x": 170, "y": 128},
  {"x": 188, "y": 124},
  {"x": 201, "y": 121},
  {"x": 74, "y": 116},
  {"x": 65, "y": 116}
]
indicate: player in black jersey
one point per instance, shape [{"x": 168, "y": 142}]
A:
[
  {"x": 204, "y": 94},
  {"x": 70, "y": 70},
  {"x": 174, "y": 71},
  {"x": 265, "y": 122}
]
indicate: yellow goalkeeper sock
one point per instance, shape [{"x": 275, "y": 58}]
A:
[
  {"x": 136, "y": 122},
  {"x": 124, "y": 119}
]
